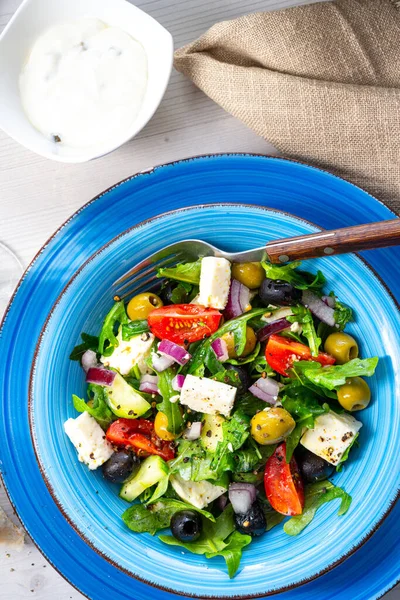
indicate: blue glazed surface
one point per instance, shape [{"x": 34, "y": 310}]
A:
[{"x": 303, "y": 191}]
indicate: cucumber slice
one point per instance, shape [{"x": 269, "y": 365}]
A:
[
  {"x": 150, "y": 472},
  {"x": 211, "y": 432},
  {"x": 124, "y": 401}
]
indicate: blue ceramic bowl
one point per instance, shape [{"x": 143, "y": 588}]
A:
[{"x": 274, "y": 562}]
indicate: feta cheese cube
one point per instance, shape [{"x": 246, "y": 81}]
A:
[
  {"x": 215, "y": 281},
  {"x": 207, "y": 396},
  {"x": 198, "y": 493},
  {"x": 331, "y": 436},
  {"x": 129, "y": 354},
  {"x": 89, "y": 439}
]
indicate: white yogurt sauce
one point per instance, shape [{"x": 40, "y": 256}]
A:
[{"x": 84, "y": 83}]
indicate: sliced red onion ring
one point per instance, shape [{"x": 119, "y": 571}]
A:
[
  {"x": 100, "y": 376},
  {"x": 193, "y": 432},
  {"x": 161, "y": 362},
  {"x": 177, "y": 382},
  {"x": 242, "y": 496},
  {"x": 325, "y": 313},
  {"x": 274, "y": 327},
  {"x": 265, "y": 389},
  {"x": 238, "y": 300},
  {"x": 148, "y": 384},
  {"x": 179, "y": 354},
  {"x": 329, "y": 301},
  {"x": 89, "y": 360},
  {"x": 221, "y": 349}
]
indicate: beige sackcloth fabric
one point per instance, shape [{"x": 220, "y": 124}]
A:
[{"x": 320, "y": 82}]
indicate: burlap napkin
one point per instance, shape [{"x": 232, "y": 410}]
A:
[{"x": 320, "y": 82}]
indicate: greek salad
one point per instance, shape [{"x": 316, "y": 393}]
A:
[{"x": 223, "y": 403}]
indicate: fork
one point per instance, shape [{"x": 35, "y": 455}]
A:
[{"x": 325, "y": 243}]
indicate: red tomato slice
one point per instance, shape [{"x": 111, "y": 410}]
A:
[
  {"x": 281, "y": 353},
  {"x": 182, "y": 323},
  {"x": 139, "y": 433},
  {"x": 119, "y": 432},
  {"x": 283, "y": 484}
]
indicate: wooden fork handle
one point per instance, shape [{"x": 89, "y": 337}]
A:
[{"x": 336, "y": 241}]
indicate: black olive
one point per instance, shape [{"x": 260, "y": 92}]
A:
[
  {"x": 173, "y": 293},
  {"x": 119, "y": 466},
  {"x": 186, "y": 525},
  {"x": 244, "y": 377},
  {"x": 278, "y": 292},
  {"x": 253, "y": 522},
  {"x": 312, "y": 467}
]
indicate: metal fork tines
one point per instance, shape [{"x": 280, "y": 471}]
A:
[{"x": 144, "y": 274}]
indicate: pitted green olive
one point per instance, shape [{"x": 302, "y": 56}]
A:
[
  {"x": 354, "y": 394},
  {"x": 341, "y": 346},
  {"x": 271, "y": 426}
]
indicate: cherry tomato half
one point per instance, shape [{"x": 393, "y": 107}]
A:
[
  {"x": 182, "y": 323},
  {"x": 140, "y": 435},
  {"x": 283, "y": 484},
  {"x": 281, "y": 353}
]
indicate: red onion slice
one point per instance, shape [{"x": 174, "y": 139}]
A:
[
  {"x": 193, "y": 432},
  {"x": 177, "y": 382},
  {"x": 148, "y": 384},
  {"x": 179, "y": 354},
  {"x": 100, "y": 376},
  {"x": 242, "y": 496},
  {"x": 221, "y": 349},
  {"x": 265, "y": 389},
  {"x": 325, "y": 313},
  {"x": 274, "y": 327},
  {"x": 329, "y": 301},
  {"x": 162, "y": 362},
  {"x": 89, "y": 360},
  {"x": 238, "y": 300}
]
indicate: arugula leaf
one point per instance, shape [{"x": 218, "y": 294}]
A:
[
  {"x": 108, "y": 340},
  {"x": 96, "y": 406},
  {"x": 90, "y": 342},
  {"x": 133, "y": 328},
  {"x": 237, "y": 326},
  {"x": 303, "y": 315},
  {"x": 251, "y": 456},
  {"x": 228, "y": 376},
  {"x": 160, "y": 489},
  {"x": 343, "y": 314},
  {"x": 217, "y": 539},
  {"x": 246, "y": 359},
  {"x": 293, "y": 440},
  {"x": 334, "y": 376},
  {"x": 235, "y": 433},
  {"x": 249, "y": 404},
  {"x": 193, "y": 463},
  {"x": 273, "y": 518},
  {"x": 300, "y": 280},
  {"x": 153, "y": 517},
  {"x": 170, "y": 409},
  {"x": 187, "y": 272},
  {"x": 302, "y": 404},
  {"x": 346, "y": 453},
  {"x": 301, "y": 381},
  {"x": 260, "y": 366},
  {"x": 317, "y": 494}
]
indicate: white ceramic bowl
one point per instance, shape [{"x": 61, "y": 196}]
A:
[{"x": 33, "y": 18}]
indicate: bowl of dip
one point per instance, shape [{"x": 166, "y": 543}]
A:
[{"x": 81, "y": 78}]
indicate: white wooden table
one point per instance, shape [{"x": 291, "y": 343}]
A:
[{"x": 37, "y": 196}]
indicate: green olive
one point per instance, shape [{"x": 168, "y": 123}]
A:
[
  {"x": 251, "y": 274},
  {"x": 354, "y": 394},
  {"x": 341, "y": 346},
  {"x": 251, "y": 341},
  {"x": 271, "y": 426},
  {"x": 142, "y": 305}
]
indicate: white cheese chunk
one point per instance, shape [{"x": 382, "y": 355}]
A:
[
  {"x": 198, "y": 493},
  {"x": 207, "y": 396},
  {"x": 215, "y": 281},
  {"x": 129, "y": 354},
  {"x": 89, "y": 439},
  {"x": 331, "y": 436}
]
